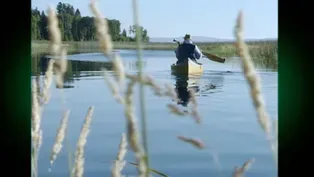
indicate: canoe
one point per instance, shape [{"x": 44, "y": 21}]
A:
[{"x": 189, "y": 67}]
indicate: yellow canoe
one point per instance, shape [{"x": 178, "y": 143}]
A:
[{"x": 188, "y": 67}]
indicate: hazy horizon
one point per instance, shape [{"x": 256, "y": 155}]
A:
[{"x": 204, "y": 39}]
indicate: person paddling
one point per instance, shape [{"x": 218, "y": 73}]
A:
[{"x": 188, "y": 50}]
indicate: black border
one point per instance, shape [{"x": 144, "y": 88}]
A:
[
  {"x": 16, "y": 27},
  {"x": 294, "y": 87}
]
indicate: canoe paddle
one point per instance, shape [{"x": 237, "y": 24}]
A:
[
  {"x": 174, "y": 40},
  {"x": 214, "y": 57},
  {"x": 208, "y": 55}
]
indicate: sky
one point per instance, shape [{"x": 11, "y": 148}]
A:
[{"x": 174, "y": 18}]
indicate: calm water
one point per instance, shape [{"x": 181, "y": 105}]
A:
[{"x": 229, "y": 128}]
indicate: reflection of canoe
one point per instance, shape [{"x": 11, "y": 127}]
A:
[
  {"x": 189, "y": 67},
  {"x": 193, "y": 82},
  {"x": 183, "y": 85}
]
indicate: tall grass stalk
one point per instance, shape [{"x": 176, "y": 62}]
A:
[
  {"x": 133, "y": 135},
  {"x": 78, "y": 168},
  {"x": 119, "y": 163},
  {"x": 61, "y": 67},
  {"x": 119, "y": 69},
  {"x": 239, "y": 171},
  {"x": 47, "y": 82},
  {"x": 132, "y": 132},
  {"x": 60, "y": 137},
  {"x": 36, "y": 131},
  {"x": 56, "y": 49},
  {"x": 254, "y": 82},
  {"x": 103, "y": 36},
  {"x": 37, "y": 101},
  {"x": 113, "y": 87},
  {"x": 54, "y": 32},
  {"x": 195, "y": 142},
  {"x": 142, "y": 97}
]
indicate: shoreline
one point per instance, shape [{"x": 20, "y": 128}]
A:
[
  {"x": 262, "y": 52},
  {"x": 224, "y": 49}
]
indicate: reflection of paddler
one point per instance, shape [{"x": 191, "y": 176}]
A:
[{"x": 183, "y": 87}]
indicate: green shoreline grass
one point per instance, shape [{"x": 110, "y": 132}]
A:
[{"x": 261, "y": 51}]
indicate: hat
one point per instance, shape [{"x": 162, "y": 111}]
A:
[{"x": 187, "y": 36}]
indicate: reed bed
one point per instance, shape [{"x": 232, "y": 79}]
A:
[{"x": 137, "y": 141}]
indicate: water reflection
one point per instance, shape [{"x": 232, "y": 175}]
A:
[
  {"x": 202, "y": 85},
  {"x": 213, "y": 82},
  {"x": 183, "y": 85},
  {"x": 78, "y": 63},
  {"x": 133, "y": 65},
  {"x": 76, "y": 69},
  {"x": 86, "y": 66}
]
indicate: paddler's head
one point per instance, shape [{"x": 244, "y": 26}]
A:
[{"x": 187, "y": 37}]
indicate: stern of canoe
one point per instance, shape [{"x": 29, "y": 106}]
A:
[{"x": 188, "y": 67}]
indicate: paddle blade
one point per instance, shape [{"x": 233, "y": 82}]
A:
[{"x": 214, "y": 57}]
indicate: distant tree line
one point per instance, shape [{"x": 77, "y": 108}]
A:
[{"x": 74, "y": 27}]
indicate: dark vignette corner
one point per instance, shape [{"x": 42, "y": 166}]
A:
[
  {"x": 295, "y": 88},
  {"x": 17, "y": 98}
]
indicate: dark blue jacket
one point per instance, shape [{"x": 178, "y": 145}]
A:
[{"x": 187, "y": 50}]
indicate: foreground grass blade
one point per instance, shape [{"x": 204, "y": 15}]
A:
[{"x": 150, "y": 170}]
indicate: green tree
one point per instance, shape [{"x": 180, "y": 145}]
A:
[
  {"x": 124, "y": 36},
  {"x": 114, "y": 29},
  {"x": 77, "y": 13},
  {"x": 145, "y": 37},
  {"x": 67, "y": 20},
  {"x": 75, "y": 27},
  {"x": 35, "y": 31},
  {"x": 43, "y": 26},
  {"x": 75, "y": 30},
  {"x": 87, "y": 30},
  {"x": 142, "y": 31},
  {"x": 60, "y": 9}
]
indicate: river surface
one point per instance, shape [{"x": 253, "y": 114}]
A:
[{"x": 229, "y": 125}]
